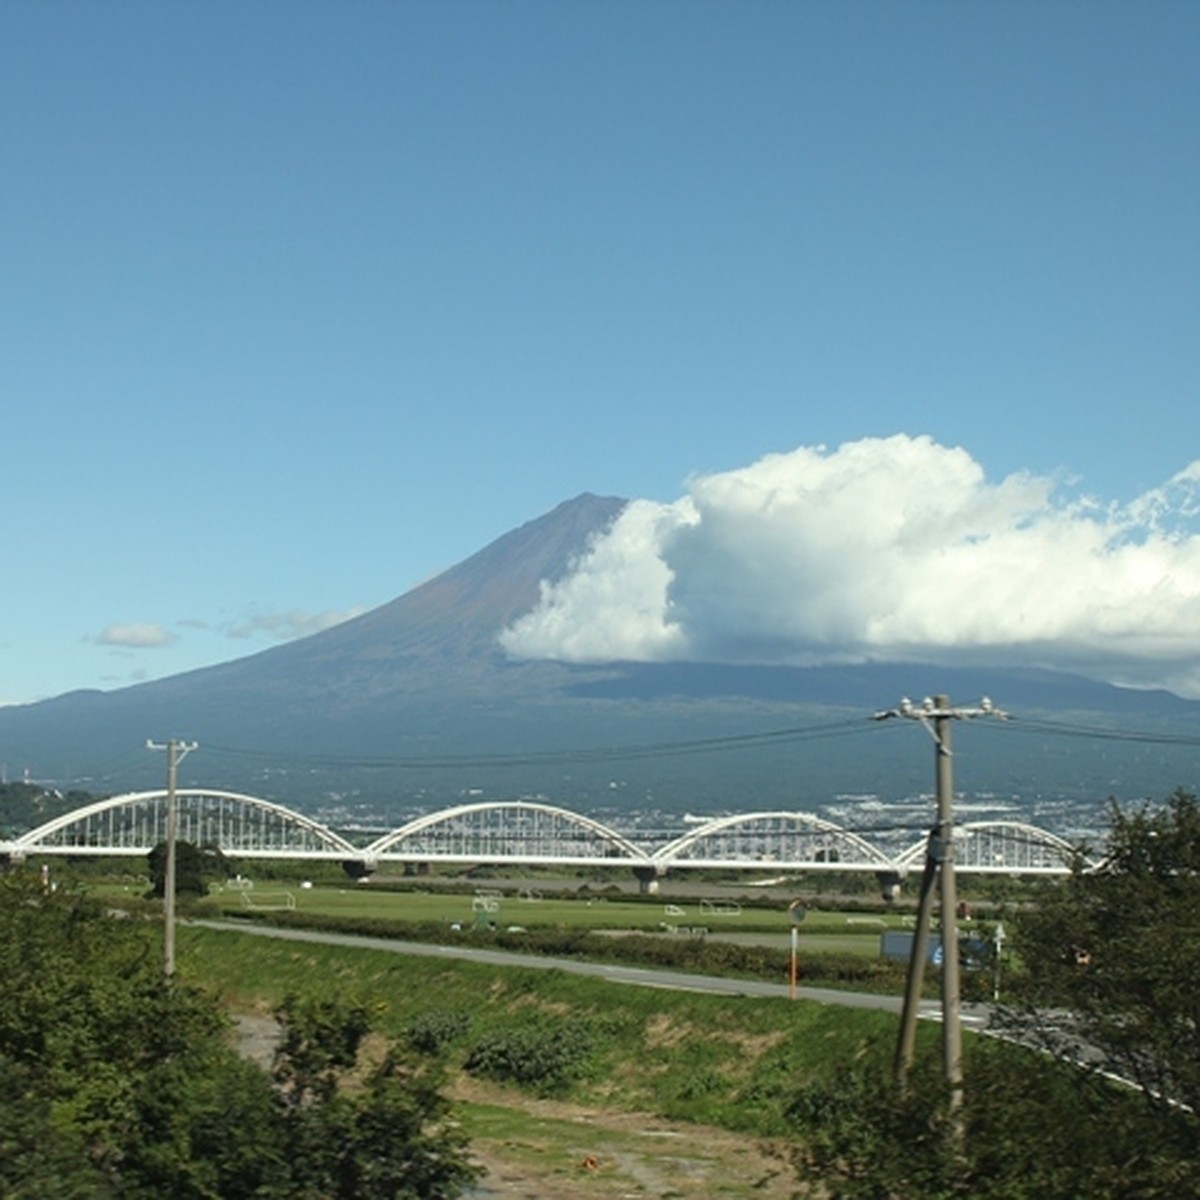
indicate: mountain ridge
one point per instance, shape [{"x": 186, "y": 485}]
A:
[{"x": 424, "y": 676}]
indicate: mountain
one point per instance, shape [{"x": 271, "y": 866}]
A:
[{"x": 414, "y": 703}]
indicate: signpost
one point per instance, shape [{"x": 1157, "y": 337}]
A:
[
  {"x": 795, "y": 915},
  {"x": 998, "y": 940}
]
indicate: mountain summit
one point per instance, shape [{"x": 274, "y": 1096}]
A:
[{"x": 445, "y": 629}]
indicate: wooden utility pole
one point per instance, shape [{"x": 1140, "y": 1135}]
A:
[
  {"x": 936, "y": 715},
  {"x": 175, "y": 754},
  {"x": 951, "y": 1011}
]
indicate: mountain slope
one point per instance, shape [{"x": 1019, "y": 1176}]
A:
[
  {"x": 442, "y": 633},
  {"x": 401, "y": 665},
  {"x": 367, "y": 707}
]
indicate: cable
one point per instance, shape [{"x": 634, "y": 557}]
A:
[
  {"x": 581, "y": 756},
  {"x": 566, "y": 757},
  {"x": 1065, "y": 729}
]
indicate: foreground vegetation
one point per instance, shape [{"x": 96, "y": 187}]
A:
[
  {"x": 1109, "y": 965},
  {"x": 117, "y": 1084},
  {"x": 120, "y": 1083},
  {"x": 816, "y": 1078}
]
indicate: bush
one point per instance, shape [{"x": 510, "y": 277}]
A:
[
  {"x": 1032, "y": 1129},
  {"x": 433, "y": 1032},
  {"x": 545, "y": 1059}
]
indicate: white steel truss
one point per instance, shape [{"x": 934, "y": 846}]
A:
[
  {"x": 509, "y": 831},
  {"x": 241, "y": 826},
  {"x": 1002, "y": 848},
  {"x": 523, "y": 831},
  {"x": 773, "y": 839}
]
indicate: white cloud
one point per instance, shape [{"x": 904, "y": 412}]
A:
[
  {"x": 613, "y": 604},
  {"x": 286, "y": 626},
  {"x": 134, "y": 636},
  {"x": 887, "y": 549}
]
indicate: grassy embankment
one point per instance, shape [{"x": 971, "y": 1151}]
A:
[
  {"x": 728, "y": 1062},
  {"x": 731, "y": 1062}
]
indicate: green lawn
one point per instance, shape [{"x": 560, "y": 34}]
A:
[
  {"x": 840, "y": 930},
  {"x": 821, "y": 931}
]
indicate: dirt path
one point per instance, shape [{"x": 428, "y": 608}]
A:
[
  {"x": 550, "y": 1150},
  {"x": 533, "y": 1149}
]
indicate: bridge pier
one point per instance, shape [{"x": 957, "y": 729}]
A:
[
  {"x": 358, "y": 868},
  {"x": 648, "y": 877}
]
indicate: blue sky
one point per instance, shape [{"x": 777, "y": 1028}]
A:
[{"x": 304, "y": 302}]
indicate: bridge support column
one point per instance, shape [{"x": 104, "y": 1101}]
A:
[
  {"x": 890, "y": 883},
  {"x": 358, "y": 868},
  {"x": 648, "y": 877}
]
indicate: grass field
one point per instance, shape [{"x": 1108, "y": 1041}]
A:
[
  {"x": 422, "y": 913},
  {"x": 854, "y": 932}
]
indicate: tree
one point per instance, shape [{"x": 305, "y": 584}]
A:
[
  {"x": 117, "y": 1082},
  {"x": 1119, "y": 949},
  {"x": 1112, "y": 960},
  {"x": 194, "y": 867},
  {"x": 96, "y": 1047},
  {"x": 355, "y": 1130},
  {"x": 1035, "y": 1128}
]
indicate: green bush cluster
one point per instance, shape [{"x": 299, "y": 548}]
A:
[
  {"x": 435, "y": 1031},
  {"x": 1032, "y": 1130},
  {"x": 545, "y": 1057}
]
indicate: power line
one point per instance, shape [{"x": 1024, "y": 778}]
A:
[
  {"x": 598, "y": 754},
  {"x": 602, "y": 754},
  {"x": 1101, "y": 734}
]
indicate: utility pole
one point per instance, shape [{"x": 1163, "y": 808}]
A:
[
  {"x": 176, "y": 752},
  {"x": 936, "y": 715}
]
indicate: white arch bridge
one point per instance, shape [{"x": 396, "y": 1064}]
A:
[{"x": 522, "y": 832}]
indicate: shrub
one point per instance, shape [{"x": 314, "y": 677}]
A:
[
  {"x": 432, "y": 1032},
  {"x": 545, "y": 1059}
]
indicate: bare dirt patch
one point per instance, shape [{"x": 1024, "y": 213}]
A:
[
  {"x": 554, "y": 1150},
  {"x": 537, "y": 1149}
]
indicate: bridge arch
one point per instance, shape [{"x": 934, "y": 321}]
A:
[
  {"x": 506, "y": 831},
  {"x": 795, "y": 840},
  {"x": 1001, "y": 847},
  {"x": 133, "y": 823}
]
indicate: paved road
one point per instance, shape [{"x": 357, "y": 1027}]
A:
[{"x": 973, "y": 1016}]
